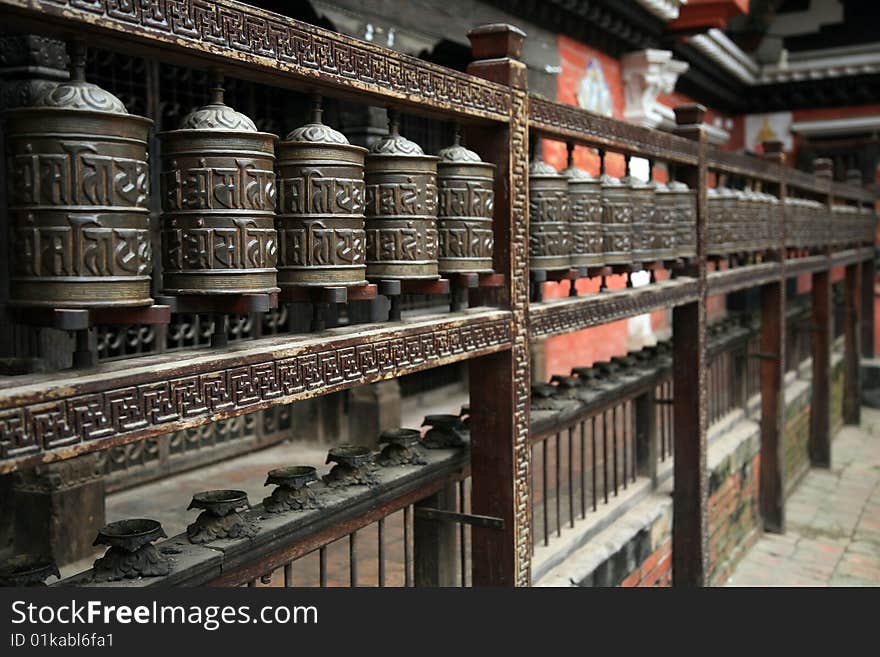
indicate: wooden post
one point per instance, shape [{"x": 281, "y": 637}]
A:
[
  {"x": 690, "y": 558},
  {"x": 772, "y": 368},
  {"x": 820, "y": 405},
  {"x": 772, "y": 488},
  {"x": 869, "y": 275},
  {"x": 646, "y": 435},
  {"x": 851, "y": 330},
  {"x": 822, "y": 334},
  {"x": 499, "y": 384},
  {"x": 435, "y": 542}
]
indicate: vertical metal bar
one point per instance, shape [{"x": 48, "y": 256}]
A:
[
  {"x": 545, "y": 501},
  {"x": 407, "y": 538},
  {"x": 594, "y": 471},
  {"x": 352, "y": 560},
  {"x": 380, "y": 526},
  {"x": 571, "y": 476},
  {"x": 322, "y": 566},
  {"x": 605, "y": 455},
  {"x": 614, "y": 443},
  {"x": 461, "y": 536},
  {"x": 288, "y": 574},
  {"x": 558, "y": 487},
  {"x": 583, "y": 469},
  {"x": 625, "y": 447},
  {"x": 661, "y": 413}
]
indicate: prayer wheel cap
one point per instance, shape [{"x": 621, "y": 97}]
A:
[
  {"x": 76, "y": 93},
  {"x": 216, "y": 115}
]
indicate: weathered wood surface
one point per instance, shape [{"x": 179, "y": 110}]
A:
[
  {"x": 257, "y": 44},
  {"x": 49, "y": 417}
]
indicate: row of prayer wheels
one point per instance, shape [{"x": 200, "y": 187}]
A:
[
  {"x": 577, "y": 220},
  {"x": 851, "y": 226},
  {"x": 241, "y": 211},
  {"x": 741, "y": 221}
]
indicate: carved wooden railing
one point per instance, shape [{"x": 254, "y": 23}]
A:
[{"x": 49, "y": 417}]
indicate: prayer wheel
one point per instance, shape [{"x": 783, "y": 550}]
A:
[
  {"x": 78, "y": 189},
  {"x": 218, "y": 204}
]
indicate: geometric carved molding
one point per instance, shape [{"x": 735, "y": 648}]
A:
[
  {"x": 275, "y": 44},
  {"x": 135, "y": 400}
]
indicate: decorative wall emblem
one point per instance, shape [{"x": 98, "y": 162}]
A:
[{"x": 593, "y": 93}]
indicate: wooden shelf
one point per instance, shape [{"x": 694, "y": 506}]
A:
[
  {"x": 739, "y": 278},
  {"x": 560, "y": 316},
  {"x": 851, "y": 256},
  {"x": 49, "y": 417}
]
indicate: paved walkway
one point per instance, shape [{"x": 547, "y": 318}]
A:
[{"x": 833, "y": 521}]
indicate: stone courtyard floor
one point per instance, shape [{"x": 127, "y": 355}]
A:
[{"x": 832, "y": 533}]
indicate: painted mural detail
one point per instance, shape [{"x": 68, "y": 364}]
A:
[
  {"x": 593, "y": 93},
  {"x": 766, "y": 127}
]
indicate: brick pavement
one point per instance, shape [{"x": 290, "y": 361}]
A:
[{"x": 833, "y": 521}]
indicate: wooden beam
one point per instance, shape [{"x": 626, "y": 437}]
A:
[
  {"x": 434, "y": 543},
  {"x": 869, "y": 276},
  {"x": 690, "y": 557},
  {"x": 851, "y": 331},
  {"x": 499, "y": 384},
  {"x": 772, "y": 369},
  {"x": 820, "y": 404},
  {"x": 772, "y": 489}
]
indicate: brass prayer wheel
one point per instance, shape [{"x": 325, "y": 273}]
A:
[
  {"x": 792, "y": 222},
  {"x": 664, "y": 221},
  {"x": 465, "y": 210},
  {"x": 617, "y": 213},
  {"x": 740, "y": 222},
  {"x": 321, "y": 201},
  {"x": 401, "y": 213},
  {"x": 585, "y": 206},
  {"x": 641, "y": 196},
  {"x": 685, "y": 219},
  {"x": 218, "y": 204},
  {"x": 549, "y": 218},
  {"x": 78, "y": 188}
]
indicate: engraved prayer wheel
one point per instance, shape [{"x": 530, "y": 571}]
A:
[
  {"x": 617, "y": 213},
  {"x": 401, "y": 213},
  {"x": 685, "y": 219},
  {"x": 550, "y": 240},
  {"x": 869, "y": 225},
  {"x": 218, "y": 204},
  {"x": 78, "y": 189},
  {"x": 641, "y": 196},
  {"x": 664, "y": 221},
  {"x": 585, "y": 206},
  {"x": 792, "y": 222},
  {"x": 465, "y": 210},
  {"x": 766, "y": 220},
  {"x": 729, "y": 219},
  {"x": 740, "y": 222},
  {"x": 321, "y": 201}
]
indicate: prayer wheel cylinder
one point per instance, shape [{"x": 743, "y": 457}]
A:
[
  {"x": 321, "y": 201},
  {"x": 78, "y": 190},
  {"x": 218, "y": 204}
]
